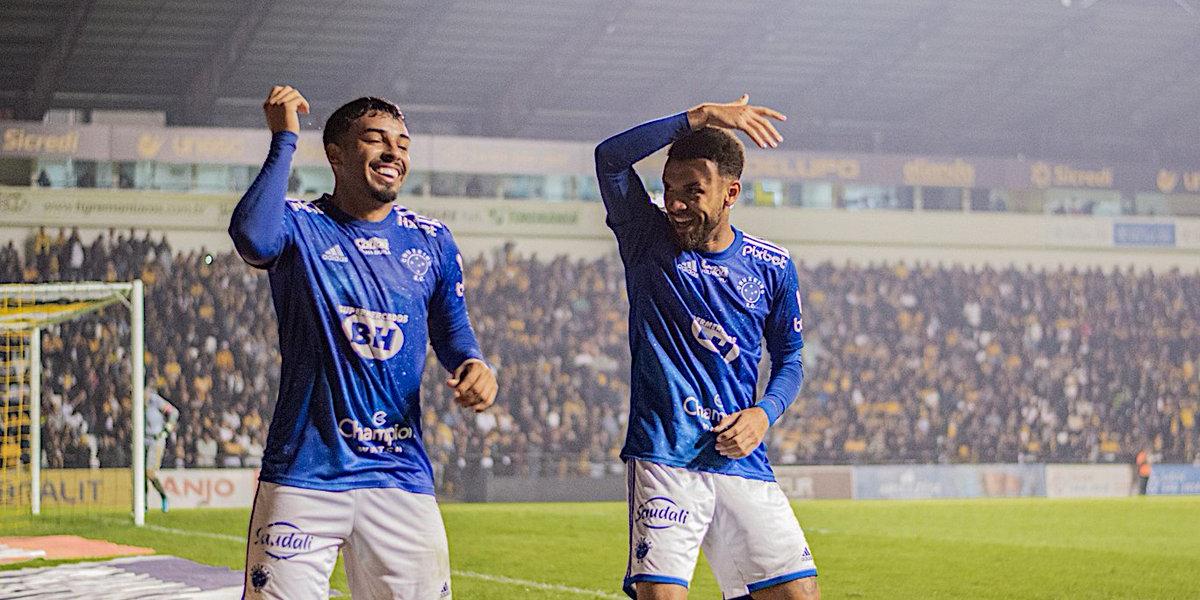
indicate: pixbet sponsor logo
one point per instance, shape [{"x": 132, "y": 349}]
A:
[
  {"x": 282, "y": 540},
  {"x": 373, "y": 246},
  {"x": 373, "y": 334},
  {"x": 660, "y": 512},
  {"x": 764, "y": 255},
  {"x": 380, "y": 438},
  {"x": 708, "y": 416},
  {"x": 713, "y": 337}
]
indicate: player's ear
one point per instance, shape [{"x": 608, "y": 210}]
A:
[
  {"x": 333, "y": 152},
  {"x": 733, "y": 190}
]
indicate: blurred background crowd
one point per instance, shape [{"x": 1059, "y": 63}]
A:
[{"x": 904, "y": 363}]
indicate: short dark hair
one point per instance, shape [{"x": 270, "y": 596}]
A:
[
  {"x": 715, "y": 144},
  {"x": 343, "y": 118}
]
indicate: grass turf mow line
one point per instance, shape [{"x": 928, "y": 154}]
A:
[{"x": 550, "y": 587}]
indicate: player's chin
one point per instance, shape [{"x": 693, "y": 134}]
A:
[{"x": 385, "y": 194}]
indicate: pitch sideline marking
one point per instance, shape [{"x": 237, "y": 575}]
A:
[{"x": 553, "y": 587}]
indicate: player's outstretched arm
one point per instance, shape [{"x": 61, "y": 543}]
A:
[
  {"x": 624, "y": 195},
  {"x": 257, "y": 227}
]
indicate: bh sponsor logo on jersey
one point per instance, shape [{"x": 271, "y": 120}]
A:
[
  {"x": 767, "y": 254},
  {"x": 707, "y": 416},
  {"x": 713, "y": 336},
  {"x": 335, "y": 254},
  {"x": 379, "y": 438},
  {"x": 282, "y": 540},
  {"x": 417, "y": 261},
  {"x": 660, "y": 512},
  {"x": 717, "y": 271},
  {"x": 459, "y": 287},
  {"x": 751, "y": 288},
  {"x": 798, "y": 322},
  {"x": 689, "y": 267},
  {"x": 373, "y": 246},
  {"x": 373, "y": 334}
]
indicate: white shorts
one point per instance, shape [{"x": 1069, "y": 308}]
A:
[
  {"x": 746, "y": 527},
  {"x": 394, "y": 543}
]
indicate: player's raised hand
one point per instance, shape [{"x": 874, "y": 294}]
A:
[
  {"x": 283, "y": 106},
  {"x": 754, "y": 121},
  {"x": 740, "y": 433},
  {"x": 474, "y": 385}
]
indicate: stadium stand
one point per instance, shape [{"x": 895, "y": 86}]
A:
[{"x": 904, "y": 363}]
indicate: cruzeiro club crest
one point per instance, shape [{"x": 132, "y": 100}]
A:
[
  {"x": 642, "y": 549},
  {"x": 751, "y": 288},
  {"x": 259, "y": 577},
  {"x": 417, "y": 261}
]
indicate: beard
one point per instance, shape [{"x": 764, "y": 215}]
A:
[
  {"x": 694, "y": 234},
  {"x": 384, "y": 196}
]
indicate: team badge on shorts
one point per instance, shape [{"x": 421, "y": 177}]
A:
[
  {"x": 259, "y": 577},
  {"x": 642, "y": 549}
]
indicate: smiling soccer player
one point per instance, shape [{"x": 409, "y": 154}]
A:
[
  {"x": 360, "y": 287},
  {"x": 702, "y": 294}
]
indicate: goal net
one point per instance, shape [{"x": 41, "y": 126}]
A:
[{"x": 72, "y": 409}]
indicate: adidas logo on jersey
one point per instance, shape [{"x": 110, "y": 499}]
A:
[
  {"x": 689, "y": 267},
  {"x": 335, "y": 254}
]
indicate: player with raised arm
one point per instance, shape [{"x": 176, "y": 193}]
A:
[
  {"x": 702, "y": 295},
  {"x": 161, "y": 417},
  {"x": 360, "y": 287}
]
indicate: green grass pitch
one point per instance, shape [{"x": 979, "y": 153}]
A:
[{"x": 960, "y": 549}]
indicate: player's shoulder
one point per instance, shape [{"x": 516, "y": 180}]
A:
[
  {"x": 303, "y": 207},
  {"x": 429, "y": 226},
  {"x": 764, "y": 251}
]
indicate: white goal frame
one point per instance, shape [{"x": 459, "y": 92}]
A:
[{"x": 98, "y": 295}]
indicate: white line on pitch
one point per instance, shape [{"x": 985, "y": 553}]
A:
[{"x": 553, "y": 587}]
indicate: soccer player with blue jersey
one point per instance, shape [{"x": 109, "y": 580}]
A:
[
  {"x": 360, "y": 286},
  {"x": 702, "y": 295}
]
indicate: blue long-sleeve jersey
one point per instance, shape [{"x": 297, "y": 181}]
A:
[
  {"x": 357, "y": 302},
  {"x": 696, "y": 320}
]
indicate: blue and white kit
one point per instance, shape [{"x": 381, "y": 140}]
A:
[
  {"x": 696, "y": 321},
  {"x": 357, "y": 303}
]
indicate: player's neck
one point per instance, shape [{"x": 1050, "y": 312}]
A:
[
  {"x": 362, "y": 208},
  {"x": 720, "y": 239}
]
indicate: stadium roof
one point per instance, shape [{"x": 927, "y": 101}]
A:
[{"x": 1113, "y": 79}]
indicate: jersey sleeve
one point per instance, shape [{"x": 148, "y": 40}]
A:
[
  {"x": 784, "y": 333},
  {"x": 259, "y": 226},
  {"x": 631, "y": 215},
  {"x": 450, "y": 331}
]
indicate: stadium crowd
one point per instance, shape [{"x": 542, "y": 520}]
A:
[{"x": 903, "y": 363}]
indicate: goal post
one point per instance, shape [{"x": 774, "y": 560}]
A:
[{"x": 26, "y": 310}]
